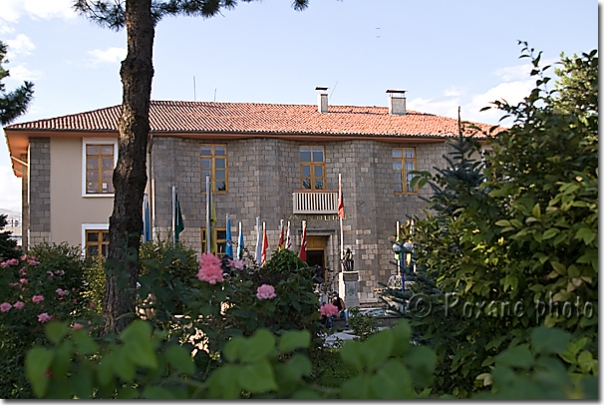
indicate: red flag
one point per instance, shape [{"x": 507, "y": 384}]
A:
[
  {"x": 281, "y": 237},
  {"x": 264, "y": 243},
  {"x": 302, "y": 254},
  {"x": 288, "y": 239},
  {"x": 340, "y": 200}
]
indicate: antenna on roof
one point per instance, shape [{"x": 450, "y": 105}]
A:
[
  {"x": 334, "y": 88},
  {"x": 215, "y": 88},
  {"x": 194, "y": 90}
]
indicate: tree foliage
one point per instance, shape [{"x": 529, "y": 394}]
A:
[
  {"x": 511, "y": 243},
  {"x": 14, "y": 103}
]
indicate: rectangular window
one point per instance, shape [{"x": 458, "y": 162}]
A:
[
  {"x": 312, "y": 168},
  {"x": 214, "y": 164},
  {"x": 220, "y": 235},
  {"x": 99, "y": 156},
  {"x": 403, "y": 162},
  {"x": 97, "y": 243}
]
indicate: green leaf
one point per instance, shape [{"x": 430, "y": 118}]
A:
[
  {"x": 377, "y": 348},
  {"x": 233, "y": 348},
  {"x": 421, "y": 360},
  {"x": 258, "y": 347},
  {"x": 392, "y": 381},
  {"x": 559, "y": 268},
  {"x": 105, "y": 369},
  {"x": 180, "y": 359},
  {"x": 351, "y": 353},
  {"x": 546, "y": 340},
  {"x": 258, "y": 377},
  {"x": 586, "y": 361},
  {"x": 122, "y": 365},
  {"x": 537, "y": 211},
  {"x": 503, "y": 222},
  {"x": 550, "y": 233},
  {"x": 517, "y": 356},
  {"x": 83, "y": 342},
  {"x": 586, "y": 234},
  {"x": 157, "y": 392},
  {"x": 127, "y": 393},
  {"x": 55, "y": 331},
  {"x": 357, "y": 387},
  {"x": 82, "y": 384},
  {"x": 37, "y": 362},
  {"x": 292, "y": 340}
]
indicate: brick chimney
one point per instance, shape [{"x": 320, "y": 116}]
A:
[
  {"x": 322, "y": 99},
  {"x": 397, "y": 103}
]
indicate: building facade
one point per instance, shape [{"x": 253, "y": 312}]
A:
[{"x": 275, "y": 162}]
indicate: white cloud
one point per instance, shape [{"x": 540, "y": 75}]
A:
[
  {"x": 12, "y": 10},
  {"x": 20, "y": 73},
  {"x": 10, "y": 198},
  {"x": 21, "y": 45},
  {"x": 110, "y": 55}
]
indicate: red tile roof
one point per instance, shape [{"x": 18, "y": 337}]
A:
[{"x": 254, "y": 118}]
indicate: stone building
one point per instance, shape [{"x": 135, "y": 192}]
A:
[{"x": 271, "y": 161}]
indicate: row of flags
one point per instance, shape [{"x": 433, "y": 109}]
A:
[{"x": 285, "y": 241}]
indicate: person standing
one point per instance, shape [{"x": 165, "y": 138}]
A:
[{"x": 343, "y": 312}]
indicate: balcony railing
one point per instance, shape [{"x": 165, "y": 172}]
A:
[{"x": 315, "y": 201}]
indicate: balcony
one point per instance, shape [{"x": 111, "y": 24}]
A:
[{"x": 315, "y": 202}]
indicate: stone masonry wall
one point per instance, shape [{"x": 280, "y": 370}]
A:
[
  {"x": 39, "y": 191},
  {"x": 262, "y": 173}
]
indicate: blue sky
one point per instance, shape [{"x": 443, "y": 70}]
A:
[{"x": 444, "y": 53}]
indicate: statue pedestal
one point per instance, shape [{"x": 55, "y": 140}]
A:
[{"x": 348, "y": 288}]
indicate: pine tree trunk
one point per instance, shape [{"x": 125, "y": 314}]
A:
[{"x": 130, "y": 177}]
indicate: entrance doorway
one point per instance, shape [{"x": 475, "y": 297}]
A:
[{"x": 315, "y": 250}]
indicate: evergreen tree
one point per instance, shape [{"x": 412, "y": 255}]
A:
[
  {"x": 8, "y": 246},
  {"x": 15, "y": 103},
  {"x": 139, "y": 17}
]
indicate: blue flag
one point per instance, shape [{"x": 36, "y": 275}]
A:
[
  {"x": 146, "y": 219},
  {"x": 240, "y": 244},
  {"x": 229, "y": 244}
]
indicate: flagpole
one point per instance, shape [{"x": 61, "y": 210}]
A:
[
  {"x": 341, "y": 230},
  {"x": 173, "y": 215},
  {"x": 398, "y": 231},
  {"x": 208, "y": 215}
]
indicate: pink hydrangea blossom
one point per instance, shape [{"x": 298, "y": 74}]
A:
[
  {"x": 210, "y": 270},
  {"x": 5, "y": 307},
  {"x": 18, "y": 305},
  {"x": 44, "y": 317},
  {"x": 24, "y": 257},
  {"x": 328, "y": 310},
  {"x": 61, "y": 292},
  {"x": 22, "y": 272},
  {"x": 32, "y": 262},
  {"x": 237, "y": 264},
  {"x": 37, "y": 299},
  {"x": 23, "y": 280},
  {"x": 266, "y": 292},
  {"x": 77, "y": 326}
]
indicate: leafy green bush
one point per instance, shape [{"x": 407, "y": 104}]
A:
[
  {"x": 45, "y": 284},
  {"x": 362, "y": 325}
]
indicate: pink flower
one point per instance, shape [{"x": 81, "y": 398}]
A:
[
  {"x": 22, "y": 272},
  {"x": 266, "y": 292},
  {"x": 18, "y": 304},
  {"x": 32, "y": 262},
  {"x": 5, "y": 307},
  {"x": 92, "y": 304},
  {"x": 237, "y": 264},
  {"x": 24, "y": 257},
  {"x": 328, "y": 310},
  {"x": 13, "y": 284},
  {"x": 50, "y": 274},
  {"x": 210, "y": 270},
  {"x": 48, "y": 373},
  {"x": 23, "y": 280},
  {"x": 77, "y": 326},
  {"x": 44, "y": 317},
  {"x": 60, "y": 273},
  {"x": 61, "y": 292},
  {"x": 11, "y": 262},
  {"x": 37, "y": 299}
]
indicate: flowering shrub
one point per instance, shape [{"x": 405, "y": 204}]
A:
[
  {"x": 266, "y": 292},
  {"x": 328, "y": 310},
  {"x": 210, "y": 269},
  {"x": 35, "y": 288}
]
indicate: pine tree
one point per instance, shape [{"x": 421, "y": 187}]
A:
[{"x": 15, "y": 103}]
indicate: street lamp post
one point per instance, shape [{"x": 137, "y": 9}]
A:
[{"x": 403, "y": 249}]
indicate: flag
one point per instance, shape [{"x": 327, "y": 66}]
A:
[
  {"x": 229, "y": 244},
  {"x": 258, "y": 256},
  {"x": 212, "y": 234},
  {"x": 179, "y": 226},
  {"x": 240, "y": 244},
  {"x": 340, "y": 200},
  {"x": 397, "y": 256},
  {"x": 288, "y": 239},
  {"x": 302, "y": 254},
  {"x": 264, "y": 243},
  {"x": 280, "y": 237},
  {"x": 146, "y": 219}
]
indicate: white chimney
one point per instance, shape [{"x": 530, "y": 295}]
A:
[
  {"x": 322, "y": 99},
  {"x": 397, "y": 103}
]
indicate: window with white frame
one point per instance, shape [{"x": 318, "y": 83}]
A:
[{"x": 99, "y": 157}]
